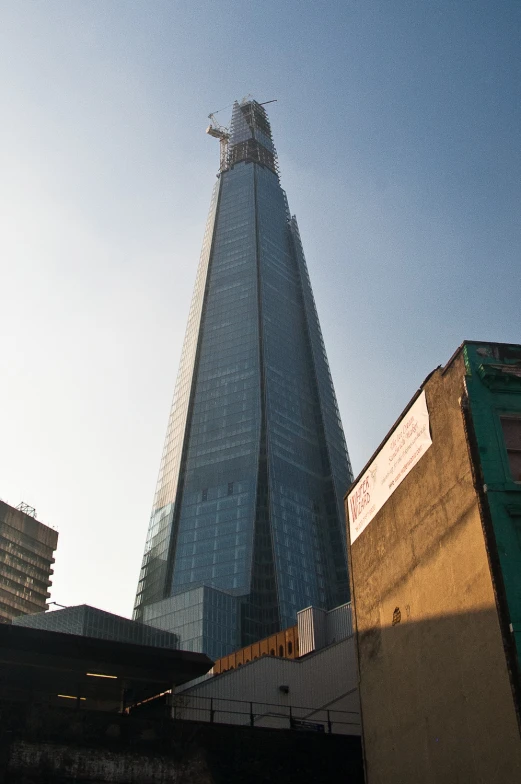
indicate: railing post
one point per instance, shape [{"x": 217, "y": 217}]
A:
[
  {"x": 211, "y": 710},
  {"x": 251, "y": 714},
  {"x": 290, "y": 718},
  {"x": 329, "y": 727}
]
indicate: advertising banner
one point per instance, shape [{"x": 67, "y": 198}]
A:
[{"x": 400, "y": 453}]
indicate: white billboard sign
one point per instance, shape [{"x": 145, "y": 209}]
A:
[{"x": 400, "y": 453}]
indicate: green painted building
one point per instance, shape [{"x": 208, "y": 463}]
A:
[{"x": 493, "y": 382}]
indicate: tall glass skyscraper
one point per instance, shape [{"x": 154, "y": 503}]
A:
[{"x": 247, "y": 525}]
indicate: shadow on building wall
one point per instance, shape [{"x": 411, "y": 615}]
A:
[{"x": 438, "y": 701}]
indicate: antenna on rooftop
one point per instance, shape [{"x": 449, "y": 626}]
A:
[{"x": 26, "y": 509}]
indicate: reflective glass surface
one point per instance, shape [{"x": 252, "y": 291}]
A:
[
  {"x": 249, "y": 499},
  {"x": 202, "y": 619},
  {"x": 299, "y": 464},
  {"x": 214, "y": 527},
  {"x": 90, "y": 622},
  {"x": 333, "y": 441},
  {"x": 154, "y": 568}
]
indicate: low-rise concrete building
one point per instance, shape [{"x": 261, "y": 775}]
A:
[{"x": 434, "y": 525}]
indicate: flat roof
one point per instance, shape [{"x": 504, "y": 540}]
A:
[{"x": 49, "y": 661}]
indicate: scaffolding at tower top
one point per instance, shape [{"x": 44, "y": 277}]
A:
[{"x": 248, "y": 138}]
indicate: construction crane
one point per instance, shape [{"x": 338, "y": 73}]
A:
[
  {"x": 218, "y": 131},
  {"x": 223, "y": 134}
]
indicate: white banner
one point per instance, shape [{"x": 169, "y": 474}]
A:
[{"x": 400, "y": 453}]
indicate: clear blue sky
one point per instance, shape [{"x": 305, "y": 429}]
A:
[{"x": 398, "y": 131}]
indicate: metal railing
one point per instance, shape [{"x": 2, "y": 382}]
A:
[{"x": 225, "y": 710}]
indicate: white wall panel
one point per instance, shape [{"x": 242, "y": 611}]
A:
[
  {"x": 338, "y": 624},
  {"x": 326, "y": 679}
]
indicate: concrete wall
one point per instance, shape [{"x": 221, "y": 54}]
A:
[
  {"x": 61, "y": 747},
  {"x": 26, "y": 554},
  {"x": 436, "y": 700},
  {"x": 322, "y": 681},
  {"x": 31, "y": 527}
]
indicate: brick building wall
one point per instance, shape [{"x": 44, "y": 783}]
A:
[{"x": 435, "y": 688}]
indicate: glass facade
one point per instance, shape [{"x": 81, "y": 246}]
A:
[
  {"x": 88, "y": 621},
  {"x": 202, "y": 619},
  {"x": 154, "y": 569},
  {"x": 249, "y": 497}
]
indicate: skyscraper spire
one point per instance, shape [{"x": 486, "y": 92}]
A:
[{"x": 247, "y": 522}]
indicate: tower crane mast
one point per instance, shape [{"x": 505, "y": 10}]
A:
[{"x": 218, "y": 131}]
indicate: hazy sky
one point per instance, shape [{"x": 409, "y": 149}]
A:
[{"x": 398, "y": 131}]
